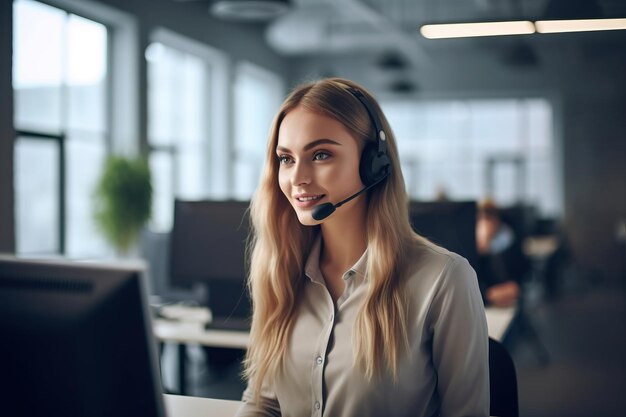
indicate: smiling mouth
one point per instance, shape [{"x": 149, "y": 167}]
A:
[{"x": 309, "y": 198}]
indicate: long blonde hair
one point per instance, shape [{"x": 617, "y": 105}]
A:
[{"x": 279, "y": 245}]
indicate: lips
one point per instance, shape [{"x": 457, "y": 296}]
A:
[{"x": 307, "y": 200}]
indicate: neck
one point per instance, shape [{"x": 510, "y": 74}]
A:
[{"x": 344, "y": 237}]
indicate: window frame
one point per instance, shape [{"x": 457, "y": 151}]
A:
[
  {"x": 219, "y": 99},
  {"x": 59, "y": 137}
]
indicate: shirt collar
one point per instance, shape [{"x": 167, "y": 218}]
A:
[{"x": 312, "y": 266}]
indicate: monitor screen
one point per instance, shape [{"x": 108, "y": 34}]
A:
[
  {"x": 450, "y": 224},
  {"x": 76, "y": 341},
  {"x": 207, "y": 246}
]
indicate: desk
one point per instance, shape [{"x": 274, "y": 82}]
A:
[
  {"x": 182, "y": 406},
  {"x": 540, "y": 247},
  {"x": 499, "y": 320},
  {"x": 183, "y": 333}
]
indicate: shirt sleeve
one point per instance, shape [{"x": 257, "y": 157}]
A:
[
  {"x": 460, "y": 342},
  {"x": 267, "y": 406}
]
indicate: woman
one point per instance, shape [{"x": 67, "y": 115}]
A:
[
  {"x": 501, "y": 261},
  {"x": 353, "y": 314}
]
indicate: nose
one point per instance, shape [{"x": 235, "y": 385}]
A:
[{"x": 301, "y": 174}]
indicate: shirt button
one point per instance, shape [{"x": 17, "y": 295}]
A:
[
  {"x": 317, "y": 405},
  {"x": 319, "y": 360}
]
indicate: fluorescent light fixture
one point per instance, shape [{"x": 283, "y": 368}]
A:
[
  {"x": 579, "y": 25},
  {"x": 468, "y": 30}
]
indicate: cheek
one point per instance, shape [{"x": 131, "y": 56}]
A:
[{"x": 346, "y": 173}]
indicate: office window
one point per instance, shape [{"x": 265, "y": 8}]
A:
[
  {"x": 59, "y": 81},
  {"x": 179, "y": 118},
  {"x": 503, "y": 148},
  {"x": 37, "y": 224},
  {"x": 258, "y": 94}
]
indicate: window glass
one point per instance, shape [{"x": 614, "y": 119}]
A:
[
  {"x": 84, "y": 163},
  {"x": 161, "y": 168},
  {"x": 38, "y": 51},
  {"x": 86, "y": 74},
  {"x": 257, "y": 94},
  {"x": 37, "y": 219},
  {"x": 178, "y": 128},
  {"x": 446, "y": 146},
  {"x": 60, "y": 78}
]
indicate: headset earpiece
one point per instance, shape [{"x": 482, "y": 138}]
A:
[{"x": 375, "y": 164}]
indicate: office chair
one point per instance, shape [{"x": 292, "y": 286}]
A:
[{"x": 502, "y": 382}]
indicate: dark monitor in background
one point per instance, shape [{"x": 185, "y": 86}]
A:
[
  {"x": 76, "y": 341},
  {"x": 450, "y": 224},
  {"x": 520, "y": 217},
  {"x": 207, "y": 246}
]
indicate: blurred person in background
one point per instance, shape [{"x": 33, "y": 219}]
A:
[{"x": 502, "y": 264}]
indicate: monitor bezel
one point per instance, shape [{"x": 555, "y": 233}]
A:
[{"x": 107, "y": 279}]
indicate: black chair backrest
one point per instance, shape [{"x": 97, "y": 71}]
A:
[{"x": 502, "y": 382}]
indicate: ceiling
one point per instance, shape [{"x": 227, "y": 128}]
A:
[{"x": 360, "y": 38}]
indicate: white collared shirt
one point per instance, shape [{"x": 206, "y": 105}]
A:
[{"x": 446, "y": 372}]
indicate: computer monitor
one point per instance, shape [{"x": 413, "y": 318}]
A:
[
  {"x": 207, "y": 246},
  {"x": 450, "y": 224},
  {"x": 76, "y": 341}
]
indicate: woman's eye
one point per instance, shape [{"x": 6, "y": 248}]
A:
[
  {"x": 283, "y": 159},
  {"x": 320, "y": 156}
]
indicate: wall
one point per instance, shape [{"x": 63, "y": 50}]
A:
[
  {"x": 595, "y": 181},
  {"x": 192, "y": 19}
]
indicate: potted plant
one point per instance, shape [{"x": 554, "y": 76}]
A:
[{"x": 123, "y": 198}]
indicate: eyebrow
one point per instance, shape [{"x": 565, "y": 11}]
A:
[{"x": 312, "y": 145}]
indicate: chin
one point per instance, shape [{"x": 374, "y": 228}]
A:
[{"x": 306, "y": 219}]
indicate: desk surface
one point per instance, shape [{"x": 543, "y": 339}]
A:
[
  {"x": 498, "y": 322},
  {"x": 183, "y": 406},
  {"x": 180, "y": 406},
  {"x": 195, "y": 333}
]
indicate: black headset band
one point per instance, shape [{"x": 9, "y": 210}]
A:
[{"x": 381, "y": 137}]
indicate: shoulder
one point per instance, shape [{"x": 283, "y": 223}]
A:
[
  {"x": 429, "y": 267},
  {"x": 441, "y": 289}
]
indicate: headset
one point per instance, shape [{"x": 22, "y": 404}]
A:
[{"x": 374, "y": 165}]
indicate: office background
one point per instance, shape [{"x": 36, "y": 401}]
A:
[
  {"x": 537, "y": 118},
  {"x": 571, "y": 87}
]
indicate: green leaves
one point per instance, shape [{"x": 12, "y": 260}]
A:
[{"x": 123, "y": 200}]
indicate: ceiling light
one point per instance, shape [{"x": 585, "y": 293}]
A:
[
  {"x": 467, "y": 30},
  {"x": 581, "y": 25},
  {"x": 249, "y": 10}
]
